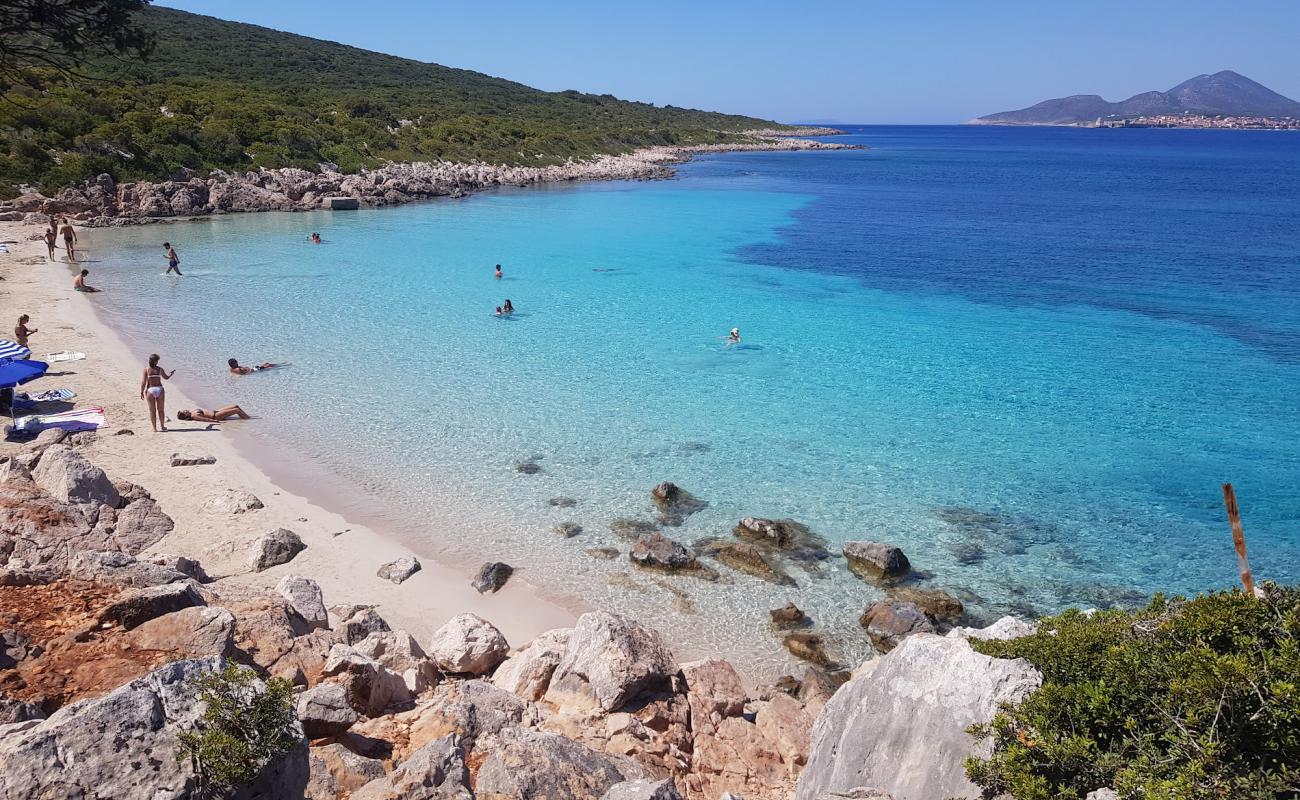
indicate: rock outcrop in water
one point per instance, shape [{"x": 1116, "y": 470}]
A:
[{"x": 102, "y": 201}]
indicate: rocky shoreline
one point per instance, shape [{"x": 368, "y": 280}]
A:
[
  {"x": 102, "y": 202},
  {"x": 103, "y": 635}
]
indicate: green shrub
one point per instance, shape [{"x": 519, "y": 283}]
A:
[
  {"x": 1183, "y": 699},
  {"x": 244, "y": 728}
]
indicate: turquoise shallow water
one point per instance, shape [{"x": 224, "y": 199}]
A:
[{"x": 1027, "y": 357}]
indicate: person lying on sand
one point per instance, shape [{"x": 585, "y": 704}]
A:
[
  {"x": 215, "y": 415},
  {"x": 80, "y": 283},
  {"x": 238, "y": 370}
]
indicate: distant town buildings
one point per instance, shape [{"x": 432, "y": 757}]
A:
[{"x": 1200, "y": 121}]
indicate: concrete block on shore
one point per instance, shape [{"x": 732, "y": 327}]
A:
[{"x": 342, "y": 203}]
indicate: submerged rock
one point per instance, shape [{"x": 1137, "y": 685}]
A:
[
  {"x": 606, "y": 553},
  {"x": 876, "y": 560},
  {"x": 528, "y": 467},
  {"x": 632, "y": 528},
  {"x": 934, "y": 603},
  {"x": 675, "y": 503},
  {"x": 656, "y": 551},
  {"x": 563, "y": 502},
  {"x": 778, "y": 533},
  {"x": 568, "y": 529},
  {"x": 789, "y": 616},
  {"x": 749, "y": 559},
  {"x": 810, "y": 647},
  {"x": 492, "y": 576},
  {"x": 888, "y": 622}
]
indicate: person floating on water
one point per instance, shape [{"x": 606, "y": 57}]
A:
[
  {"x": 173, "y": 260},
  {"x": 509, "y": 307},
  {"x": 315, "y": 238},
  {"x": 80, "y": 283},
  {"x": 734, "y": 336},
  {"x": 215, "y": 415},
  {"x": 498, "y": 272},
  {"x": 236, "y": 369}
]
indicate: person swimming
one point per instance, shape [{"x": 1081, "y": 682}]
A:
[
  {"x": 80, "y": 284},
  {"x": 498, "y": 272},
  {"x": 215, "y": 415},
  {"x": 509, "y": 307},
  {"x": 498, "y": 312},
  {"x": 238, "y": 370},
  {"x": 315, "y": 238},
  {"x": 734, "y": 336}
]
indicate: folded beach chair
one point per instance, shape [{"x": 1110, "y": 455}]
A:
[
  {"x": 51, "y": 358},
  {"x": 81, "y": 419}
]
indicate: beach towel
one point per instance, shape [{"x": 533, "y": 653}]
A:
[
  {"x": 52, "y": 358},
  {"x": 81, "y": 419}
]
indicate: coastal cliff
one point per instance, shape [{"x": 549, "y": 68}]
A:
[{"x": 102, "y": 201}]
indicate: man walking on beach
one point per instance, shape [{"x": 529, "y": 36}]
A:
[
  {"x": 69, "y": 240},
  {"x": 173, "y": 260},
  {"x": 51, "y": 238}
]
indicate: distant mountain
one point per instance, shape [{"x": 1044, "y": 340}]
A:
[{"x": 1224, "y": 93}]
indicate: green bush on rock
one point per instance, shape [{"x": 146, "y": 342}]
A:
[
  {"x": 243, "y": 728},
  {"x": 1183, "y": 699}
]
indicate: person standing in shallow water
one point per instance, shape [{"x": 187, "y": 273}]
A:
[
  {"x": 173, "y": 260},
  {"x": 151, "y": 391},
  {"x": 498, "y": 272}
]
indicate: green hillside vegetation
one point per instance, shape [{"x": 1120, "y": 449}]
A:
[{"x": 240, "y": 97}]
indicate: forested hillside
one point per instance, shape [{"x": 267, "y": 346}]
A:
[{"x": 223, "y": 95}]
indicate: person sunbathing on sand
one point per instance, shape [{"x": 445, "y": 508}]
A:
[
  {"x": 215, "y": 415},
  {"x": 238, "y": 370},
  {"x": 80, "y": 283}
]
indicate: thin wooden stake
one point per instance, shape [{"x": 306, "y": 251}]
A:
[{"x": 1238, "y": 538}]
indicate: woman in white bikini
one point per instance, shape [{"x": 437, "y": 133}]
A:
[{"x": 151, "y": 391}]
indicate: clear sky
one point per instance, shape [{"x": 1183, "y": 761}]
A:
[{"x": 933, "y": 61}]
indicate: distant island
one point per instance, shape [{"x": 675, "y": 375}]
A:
[{"x": 1223, "y": 100}]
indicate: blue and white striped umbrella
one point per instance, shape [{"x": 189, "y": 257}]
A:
[{"x": 10, "y": 349}]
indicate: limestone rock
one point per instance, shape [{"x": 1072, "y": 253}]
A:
[
  {"x": 123, "y": 744},
  {"x": 531, "y": 765},
  {"x": 568, "y": 529},
  {"x": 399, "y": 570},
  {"x": 372, "y": 689},
  {"x": 528, "y": 672},
  {"x": 66, "y": 475},
  {"x": 784, "y": 723},
  {"x": 12, "y": 711},
  {"x": 609, "y": 660},
  {"x": 643, "y": 789},
  {"x": 934, "y": 603},
  {"x": 195, "y": 632},
  {"x": 776, "y": 533},
  {"x": 888, "y": 622},
  {"x": 185, "y": 566},
  {"x": 750, "y": 559},
  {"x": 399, "y": 652},
  {"x": 324, "y": 711},
  {"x": 714, "y": 692},
  {"x": 901, "y": 725},
  {"x": 789, "y": 617},
  {"x": 139, "y": 525},
  {"x": 275, "y": 548},
  {"x": 306, "y": 599},
  {"x": 1102, "y": 794},
  {"x": 876, "y": 560},
  {"x": 810, "y": 647},
  {"x": 436, "y": 771},
  {"x": 137, "y": 606},
  {"x": 491, "y": 577},
  {"x": 336, "y": 770},
  {"x": 119, "y": 569},
  {"x": 675, "y": 503},
  {"x": 12, "y": 471},
  {"x": 360, "y": 622},
  {"x": 468, "y": 644},
  {"x": 1005, "y": 628},
  {"x": 232, "y": 501},
  {"x": 191, "y": 459}
]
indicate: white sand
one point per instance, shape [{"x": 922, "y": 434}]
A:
[{"x": 344, "y": 565}]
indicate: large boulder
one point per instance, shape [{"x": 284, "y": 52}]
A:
[
  {"x": 888, "y": 622},
  {"x": 526, "y": 764},
  {"x": 528, "y": 672},
  {"x": 359, "y": 622},
  {"x": 306, "y": 598},
  {"x": 398, "y": 570},
  {"x": 436, "y": 771},
  {"x": 900, "y": 724},
  {"x": 469, "y": 644},
  {"x": 336, "y": 770},
  {"x": 656, "y": 551},
  {"x": 137, "y": 606},
  {"x": 195, "y": 632},
  {"x": 124, "y": 744},
  {"x": 934, "y": 603},
  {"x": 714, "y": 692},
  {"x": 232, "y": 501},
  {"x": 66, "y": 475},
  {"x": 324, "y": 711},
  {"x": 275, "y": 548},
  {"x": 876, "y": 560},
  {"x": 491, "y": 577},
  {"x": 372, "y": 688},
  {"x": 609, "y": 660},
  {"x": 400, "y": 654},
  {"x": 643, "y": 789},
  {"x": 120, "y": 569}
]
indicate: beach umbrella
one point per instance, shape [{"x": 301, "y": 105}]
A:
[
  {"x": 17, "y": 371},
  {"x": 10, "y": 349}
]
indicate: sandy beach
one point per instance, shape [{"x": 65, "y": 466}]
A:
[{"x": 341, "y": 555}]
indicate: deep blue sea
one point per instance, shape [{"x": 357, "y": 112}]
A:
[{"x": 1030, "y": 357}]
